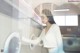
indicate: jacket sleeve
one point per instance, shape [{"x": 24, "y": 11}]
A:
[{"x": 37, "y": 40}]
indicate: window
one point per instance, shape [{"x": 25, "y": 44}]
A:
[
  {"x": 69, "y": 20},
  {"x": 60, "y": 20}
]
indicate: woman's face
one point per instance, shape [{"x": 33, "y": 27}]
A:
[{"x": 44, "y": 19}]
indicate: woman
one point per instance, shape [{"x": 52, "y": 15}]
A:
[
  {"x": 51, "y": 35},
  {"x": 52, "y": 39}
]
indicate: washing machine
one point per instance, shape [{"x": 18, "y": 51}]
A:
[
  {"x": 71, "y": 43},
  {"x": 12, "y": 43}
]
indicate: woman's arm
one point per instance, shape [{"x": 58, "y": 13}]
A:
[
  {"x": 35, "y": 41},
  {"x": 30, "y": 41}
]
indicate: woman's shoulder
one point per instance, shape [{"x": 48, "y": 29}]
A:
[{"x": 55, "y": 26}]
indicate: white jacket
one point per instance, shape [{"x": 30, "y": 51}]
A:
[{"x": 53, "y": 39}]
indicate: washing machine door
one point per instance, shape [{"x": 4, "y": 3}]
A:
[{"x": 12, "y": 44}]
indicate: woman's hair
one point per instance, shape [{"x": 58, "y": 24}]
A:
[{"x": 48, "y": 15}]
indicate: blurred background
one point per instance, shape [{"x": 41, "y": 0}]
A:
[{"x": 23, "y": 17}]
